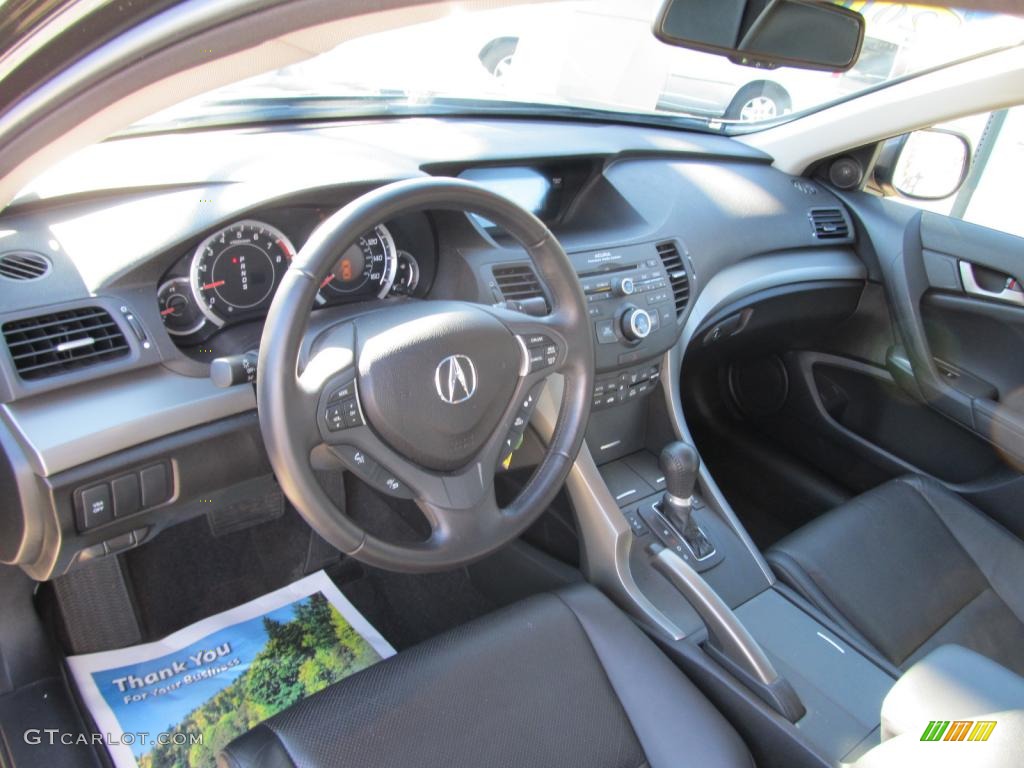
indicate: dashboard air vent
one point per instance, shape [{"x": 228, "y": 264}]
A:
[
  {"x": 677, "y": 275},
  {"x": 48, "y": 345},
  {"x": 23, "y": 265},
  {"x": 829, "y": 224},
  {"x": 518, "y": 282}
]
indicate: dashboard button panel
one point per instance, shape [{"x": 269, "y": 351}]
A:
[
  {"x": 126, "y": 494},
  {"x": 624, "y": 386},
  {"x": 630, "y": 303}
]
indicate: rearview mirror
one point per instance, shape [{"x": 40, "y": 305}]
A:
[{"x": 766, "y": 33}]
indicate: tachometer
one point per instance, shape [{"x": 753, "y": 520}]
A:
[
  {"x": 369, "y": 266},
  {"x": 234, "y": 270}
]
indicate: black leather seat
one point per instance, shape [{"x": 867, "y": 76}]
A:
[
  {"x": 910, "y": 566},
  {"x": 562, "y": 679}
]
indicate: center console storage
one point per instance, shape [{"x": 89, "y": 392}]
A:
[{"x": 842, "y": 691}]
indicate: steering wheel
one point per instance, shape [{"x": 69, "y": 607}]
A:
[{"x": 433, "y": 393}]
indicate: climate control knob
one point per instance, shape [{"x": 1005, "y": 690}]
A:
[{"x": 636, "y": 324}]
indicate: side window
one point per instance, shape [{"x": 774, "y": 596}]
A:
[{"x": 925, "y": 169}]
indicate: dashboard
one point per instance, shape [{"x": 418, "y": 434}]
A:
[{"x": 156, "y": 255}]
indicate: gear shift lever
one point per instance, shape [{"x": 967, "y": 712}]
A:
[{"x": 679, "y": 464}]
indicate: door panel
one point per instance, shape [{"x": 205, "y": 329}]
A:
[
  {"x": 982, "y": 338},
  {"x": 873, "y": 407},
  {"x": 949, "y": 401}
]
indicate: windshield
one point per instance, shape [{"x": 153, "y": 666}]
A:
[{"x": 579, "y": 57}]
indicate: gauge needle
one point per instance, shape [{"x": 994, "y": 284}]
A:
[
  {"x": 168, "y": 311},
  {"x": 211, "y": 286},
  {"x": 327, "y": 280}
]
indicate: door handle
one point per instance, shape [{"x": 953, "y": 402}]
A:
[{"x": 1011, "y": 291}]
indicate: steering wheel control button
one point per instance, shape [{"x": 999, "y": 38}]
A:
[
  {"x": 522, "y": 418},
  {"x": 343, "y": 392},
  {"x": 335, "y": 418},
  {"x": 357, "y": 460},
  {"x": 372, "y": 472},
  {"x": 95, "y": 506},
  {"x": 384, "y": 480},
  {"x": 343, "y": 412},
  {"x": 636, "y": 324},
  {"x": 542, "y": 351},
  {"x": 350, "y": 412}
]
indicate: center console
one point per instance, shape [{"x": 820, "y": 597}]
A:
[
  {"x": 661, "y": 539},
  {"x": 755, "y": 648}
]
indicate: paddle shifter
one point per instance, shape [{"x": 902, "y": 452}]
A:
[{"x": 679, "y": 464}]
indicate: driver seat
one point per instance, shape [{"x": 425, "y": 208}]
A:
[{"x": 561, "y": 679}]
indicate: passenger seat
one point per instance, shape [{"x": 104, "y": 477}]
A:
[{"x": 909, "y": 566}]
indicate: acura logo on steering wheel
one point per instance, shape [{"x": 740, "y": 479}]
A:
[{"x": 455, "y": 379}]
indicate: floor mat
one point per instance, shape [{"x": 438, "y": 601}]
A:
[
  {"x": 180, "y": 700},
  {"x": 408, "y": 608},
  {"x": 186, "y": 574},
  {"x": 411, "y": 608}
]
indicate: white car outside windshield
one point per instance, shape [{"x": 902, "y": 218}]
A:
[{"x": 594, "y": 55}]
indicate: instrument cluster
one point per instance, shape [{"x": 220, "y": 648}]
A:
[{"x": 231, "y": 275}]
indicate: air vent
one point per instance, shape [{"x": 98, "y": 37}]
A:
[
  {"x": 52, "y": 344},
  {"x": 677, "y": 275},
  {"x": 518, "y": 282},
  {"x": 829, "y": 224},
  {"x": 23, "y": 265}
]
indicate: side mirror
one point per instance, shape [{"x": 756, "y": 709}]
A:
[
  {"x": 806, "y": 34},
  {"x": 930, "y": 164}
]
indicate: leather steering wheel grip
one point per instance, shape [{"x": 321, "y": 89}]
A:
[{"x": 287, "y": 405}]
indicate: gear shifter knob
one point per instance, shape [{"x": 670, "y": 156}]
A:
[{"x": 679, "y": 464}]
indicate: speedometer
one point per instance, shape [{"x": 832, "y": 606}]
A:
[
  {"x": 234, "y": 271},
  {"x": 368, "y": 267}
]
